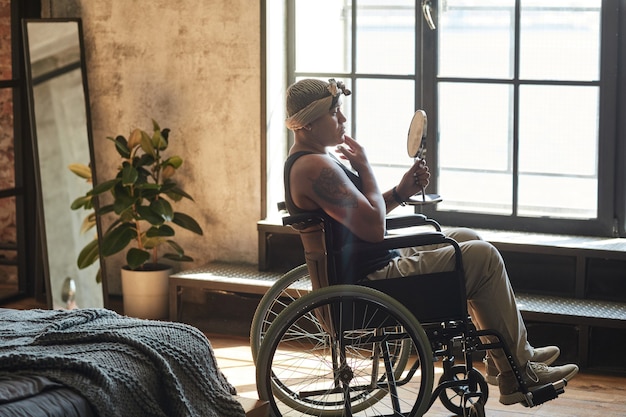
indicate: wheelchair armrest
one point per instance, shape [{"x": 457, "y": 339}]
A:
[
  {"x": 304, "y": 220},
  {"x": 410, "y": 220},
  {"x": 402, "y": 241}
]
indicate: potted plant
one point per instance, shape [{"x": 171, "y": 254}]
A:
[{"x": 142, "y": 192}]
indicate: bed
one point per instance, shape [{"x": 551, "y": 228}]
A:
[{"x": 95, "y": 362}]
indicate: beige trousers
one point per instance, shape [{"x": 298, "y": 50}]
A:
[{"x": 490, "y": 299}]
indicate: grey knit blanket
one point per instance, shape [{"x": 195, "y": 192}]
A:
[{"x": 121, "y": 365}]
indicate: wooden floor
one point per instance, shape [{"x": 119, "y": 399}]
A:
[{"x": 587, "y": 395}]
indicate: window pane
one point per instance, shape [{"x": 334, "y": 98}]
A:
[
  {"x": 477, "y": 40},
  {"x": 558, "y": 151},
  {"x": 386, "y": 37},
  {"x": 384, "y": 109},
  {"x": 5, "y": 40},
  {"x": 560, "y": 40},
  {"x": 475, "y": 149},
  {"x": 323, "y": 36},
  {"x": 475, "y": 192},
  {"x": 7, "y": 154}
]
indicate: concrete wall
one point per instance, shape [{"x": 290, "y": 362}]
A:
[{"x": 194, "y": 66}]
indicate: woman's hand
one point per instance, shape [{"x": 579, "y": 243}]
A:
[
  {"x": 414, "y": 180},
  {"x": 353, "y": 152}
]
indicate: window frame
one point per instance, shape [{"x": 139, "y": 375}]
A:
[{"x": 610, "y": 219}]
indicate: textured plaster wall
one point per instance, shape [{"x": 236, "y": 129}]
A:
[{"x": 194, "y": 66}]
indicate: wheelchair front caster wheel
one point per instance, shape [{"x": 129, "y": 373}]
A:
[{"x": 454, "y": 398}]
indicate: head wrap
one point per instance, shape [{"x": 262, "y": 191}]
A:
[{"x": 310, "y": 99}]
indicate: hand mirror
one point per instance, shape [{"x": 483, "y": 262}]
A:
[
  {"x": 416, "y": 148},
  {"x": 417, "y": 134}
]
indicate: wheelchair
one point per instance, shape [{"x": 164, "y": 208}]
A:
[{"x": 324, "y": 347}]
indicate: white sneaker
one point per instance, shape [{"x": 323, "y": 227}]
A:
[
  {"x": 536, "y": 374},
  {"x": 547, "y": 355}
]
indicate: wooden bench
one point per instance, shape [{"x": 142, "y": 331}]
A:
[{"x": 218, "y": 276}]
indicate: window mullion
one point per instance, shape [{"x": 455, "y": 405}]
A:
[{"x": 516, "y": 71}]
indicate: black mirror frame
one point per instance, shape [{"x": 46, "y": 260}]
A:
[{"x": 42, "y": 241}]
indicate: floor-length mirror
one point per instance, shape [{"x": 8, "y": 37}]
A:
[{"x": 61, "y": 126}]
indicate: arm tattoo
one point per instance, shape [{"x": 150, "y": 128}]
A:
[{"x": 329, "y": 187}]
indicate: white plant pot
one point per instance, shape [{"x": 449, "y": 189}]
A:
[{"x": 146, "y": 293}]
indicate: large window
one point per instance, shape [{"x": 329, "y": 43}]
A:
[
  {"x": 518, "y": 90},
  {"x": 521, "y": 97}
]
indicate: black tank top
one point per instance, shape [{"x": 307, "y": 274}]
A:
[{"x": 351, "y": 267}]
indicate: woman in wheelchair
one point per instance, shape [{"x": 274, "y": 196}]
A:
[{"x": 316, "y": 181}]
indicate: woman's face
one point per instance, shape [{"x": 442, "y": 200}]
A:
[{"x": 329, "y": 129}]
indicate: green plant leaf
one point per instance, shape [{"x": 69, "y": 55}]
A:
[
  {"x": 186, "y": 222},
  {"x": 123, "y": 205},
  {"x": 168, "y": 185},
  {"x": 176, "y": 193},
  {"x": 178, "y": 258},
  {"x": 113, "y": 225},
  {"x": 162, "y": 231},
  {"x": 103, "y": 187},
  {"x": 136, "y": 257},
  {"x": 121, "y": 146},
  {"x": 146, "y": 145},
  {"x": 158, "y": 141},
  {"x": 117, "y": 239},
  {"x": 84, "y": 201},
  {"x": 152, "y": 242},
  {"x": 147, "y": 214},
  {"x": 175, "y": 161},
  {"x": 129, "y": 175},
  {"x": 148, "y": 186},
  {"x": 163, "y": 208},
  {"x": 89, "y": 204},
  {"x": 88, "y": 255},
  {"x": 144, "y": 160},
  {"x": 179, "y": 250}
]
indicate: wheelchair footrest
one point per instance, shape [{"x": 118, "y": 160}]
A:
[{"x": 544, "y": 393}]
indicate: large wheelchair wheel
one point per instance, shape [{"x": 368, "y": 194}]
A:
[
  {"x": 334, "y": 352},
  {"x": 291, "y": 286}
]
